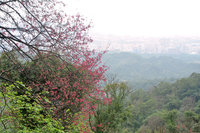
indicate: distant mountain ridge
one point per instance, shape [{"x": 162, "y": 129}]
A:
[{"x": 145, "y": 71}]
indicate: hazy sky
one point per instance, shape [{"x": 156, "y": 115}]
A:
[{"x": 140, "y": 17}]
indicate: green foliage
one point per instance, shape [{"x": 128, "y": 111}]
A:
[
  {"x": 189, "y": 87},
  {"x": 110, "y": 117},
  {"x": 192, "y": 120},
  {"x": 173, "y": 104},
  {"x": 154, "y": 122},
  {"x": 171, "y": 107},
  {"x": 170, "y": 118},
  {"x": 21, "y": 112},
  {"x": 140, "y": 112},
  {"x": 7, "y": 66}
]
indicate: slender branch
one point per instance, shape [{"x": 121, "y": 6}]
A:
[{"x": 6, "y": 2}]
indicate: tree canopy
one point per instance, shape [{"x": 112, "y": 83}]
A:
[{"x": 48, "y": 51}]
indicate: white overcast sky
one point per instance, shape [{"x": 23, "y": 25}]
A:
[{"x": 140, "y": 17}]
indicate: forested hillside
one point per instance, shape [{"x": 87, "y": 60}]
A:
[
  {"x": 173, "y": 107},
  {"x": 52, "y": 82},
  {"x": 145, "y": 71}
]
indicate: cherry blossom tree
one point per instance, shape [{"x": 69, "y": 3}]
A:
[{"x": 49, "y": 50}]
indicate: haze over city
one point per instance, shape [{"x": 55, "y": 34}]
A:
[{"x": 142, "y": 26}]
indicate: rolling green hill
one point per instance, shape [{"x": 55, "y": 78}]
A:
[
  {"x": 145, "y": 71},
  {"x": 174, "y": 107}
]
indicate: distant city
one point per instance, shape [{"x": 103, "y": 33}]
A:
[{"x": 149, "y": 45}]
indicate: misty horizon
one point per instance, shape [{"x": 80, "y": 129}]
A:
[{"x": 153, "y": 18}]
